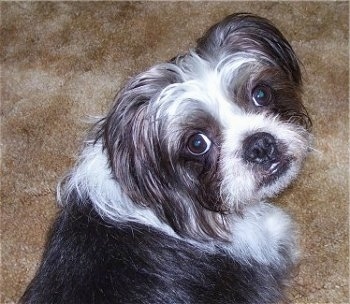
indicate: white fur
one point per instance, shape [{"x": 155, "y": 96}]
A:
[
  {"x": 260, "y": 232},
  {"x": 202, "y": 84},
  {"x": 92, "y": 178},
  {"x": 239, "y": 184}
]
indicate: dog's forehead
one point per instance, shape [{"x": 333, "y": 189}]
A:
[{"x": 206, "y": 86}]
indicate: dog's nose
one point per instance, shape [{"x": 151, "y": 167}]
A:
[{"x": 260, "y": 148}]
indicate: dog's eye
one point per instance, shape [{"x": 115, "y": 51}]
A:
[
  {"x": 198, "y": 144},
  {"x": 262, "y": 95}
]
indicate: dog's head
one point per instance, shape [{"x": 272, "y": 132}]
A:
[{"x": 213, "y": 130}]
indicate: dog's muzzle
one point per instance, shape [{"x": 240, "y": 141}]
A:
[{"x": 261, "y": 150}]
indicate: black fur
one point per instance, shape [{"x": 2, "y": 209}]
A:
[{"x": 88, "y": 260}]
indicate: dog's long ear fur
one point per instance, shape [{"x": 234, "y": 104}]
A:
[
  {"x": 130, "y": 135},
  {"x": 248, "y": 33}
]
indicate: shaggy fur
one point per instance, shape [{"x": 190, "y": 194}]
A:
[{"x": 168, "y": 201}]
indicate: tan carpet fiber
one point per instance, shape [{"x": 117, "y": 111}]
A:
[{"x": 61, "y": 62}]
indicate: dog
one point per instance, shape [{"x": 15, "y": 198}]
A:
[{"x": 168, "y": 200}]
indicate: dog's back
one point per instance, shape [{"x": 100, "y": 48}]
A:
[{"x": 88, "y": 260}]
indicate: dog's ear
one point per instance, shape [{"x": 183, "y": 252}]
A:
[
  {"x": 130, "y": 130},
  {"x": 250, "y": 34}
]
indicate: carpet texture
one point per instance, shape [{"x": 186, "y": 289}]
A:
[{"x": 61, "y": 62}]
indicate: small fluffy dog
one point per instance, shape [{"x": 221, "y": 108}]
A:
[{"x": 167, "y": 203}]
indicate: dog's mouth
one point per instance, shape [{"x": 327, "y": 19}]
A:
[{"x": 274, "y": 171}]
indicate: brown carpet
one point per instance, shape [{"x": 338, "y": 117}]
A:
[{"x": 61, "y": 62}]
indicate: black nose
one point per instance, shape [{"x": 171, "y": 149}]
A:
[{"x": 260, "y": 148}]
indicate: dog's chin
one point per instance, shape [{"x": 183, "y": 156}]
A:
[
  {"x": 261, "y": 183},
  {"x": 277, "y": 178}
]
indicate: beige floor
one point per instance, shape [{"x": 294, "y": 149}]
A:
[{"x": 61, "y": 62}]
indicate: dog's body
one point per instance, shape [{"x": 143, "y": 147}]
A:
[{"x": 167, "y": 203}]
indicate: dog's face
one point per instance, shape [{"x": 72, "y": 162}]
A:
[{"x": 213, "y": 130}]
